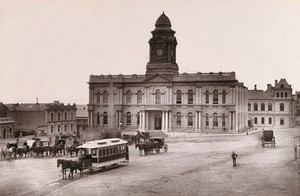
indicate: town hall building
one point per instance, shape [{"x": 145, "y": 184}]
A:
[{"x": 164, "y": 99}]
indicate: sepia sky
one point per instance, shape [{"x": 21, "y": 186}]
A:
[{"x": 49, "y": 48}]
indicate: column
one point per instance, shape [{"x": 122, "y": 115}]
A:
[
  {"x": 199, "y": 120},
  {"x": 140, "y": 119},
  {"x": 146, "y": 120},
  {"x": 196, "y": 120},
  {"x": 170, "y": 121},
  {"x": 167, "y": 120},
  {"x": 143, "y": 116},
  {"x": 163, "y": 120}
]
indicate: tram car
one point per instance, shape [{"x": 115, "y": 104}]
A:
[{"x": 99, "y": 154}]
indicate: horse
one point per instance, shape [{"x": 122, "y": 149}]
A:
[
  {"x": 147, "y": 146},
  {"x": 74, "y": 166},
  {"x": 72, "y": 149},
  {"x": 21, "y": 151},
  {"x": 64, "y": 167}
]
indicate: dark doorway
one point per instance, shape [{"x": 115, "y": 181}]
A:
[
  {"x": 157, "y": 122},
  {"x": 4, "y": 134}
]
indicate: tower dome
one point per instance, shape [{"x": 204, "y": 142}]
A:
[{"x": 163, "y": 23}]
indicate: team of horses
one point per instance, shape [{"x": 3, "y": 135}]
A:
[
  {"x": 13, "y": 151},
  {"x": 71, "y": 166}
]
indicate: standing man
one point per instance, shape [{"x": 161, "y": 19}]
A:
[{"x": 233, "y": 156}]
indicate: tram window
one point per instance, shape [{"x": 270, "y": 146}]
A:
[
  {"x": 110, "y": 151},
  {"x": 100, "y": 153},
  {"x": 104, "y": 153},
  {"x": 107, "y": 152},
  {"x": 93, "y": 152}
]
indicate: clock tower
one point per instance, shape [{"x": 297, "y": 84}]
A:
[{"x": 162, "y": 57}]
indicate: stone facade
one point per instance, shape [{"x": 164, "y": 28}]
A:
[
  {"x": 273, "y": 108},
  {"x": 51, "y": 119},
  {"x": 6, "y": 128},
  {"x": 166, "y": 100}
]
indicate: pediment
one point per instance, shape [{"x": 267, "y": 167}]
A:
[{"x": 157, "y": 78}]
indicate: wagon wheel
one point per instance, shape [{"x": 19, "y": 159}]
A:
[{"x": 166, "y": 147}]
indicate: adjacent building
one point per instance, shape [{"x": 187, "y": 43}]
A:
[
  {"x": 6, "y": 128},
  {"x": 51, "y": 119},
  {"x": 271, "y": 108},
  {"x": 164, "y": 99},
  {"x": 81, "y": 118}
]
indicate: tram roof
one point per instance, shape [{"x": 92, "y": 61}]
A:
[{"x": 102, "y": 143}]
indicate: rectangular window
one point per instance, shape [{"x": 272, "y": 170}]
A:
[
  {"x": 263, "y": 121},
  {"x": 270, "y": 121},
  {"x": 94, "y": 152},
  {"x": 255, "y": 120}
]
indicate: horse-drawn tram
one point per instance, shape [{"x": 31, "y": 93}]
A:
[{"x": 99, "y": 154}]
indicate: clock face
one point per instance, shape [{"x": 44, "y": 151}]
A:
[{"x": 159, "y": 52}]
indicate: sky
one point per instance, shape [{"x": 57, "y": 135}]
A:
[{"x": 49, "y": 48}]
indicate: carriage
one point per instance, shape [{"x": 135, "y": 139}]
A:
[{"x": 268, "y": 138}]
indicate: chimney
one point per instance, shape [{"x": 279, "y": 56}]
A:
[
  {"x": 255, "y": 87},
  {"x": 269, "y": 87},
  {"x": 276, "y": 81}
]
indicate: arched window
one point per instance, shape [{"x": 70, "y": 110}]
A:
[
  {"x": 281, "y": 86},
  {"x": 255, "y": 106},
  {"x": 157, "y": 97},
  {"x": 65, "y": 115},
  {"x": 223, "y": 120},
  {"x": 206, "y": 120},
  {"x": 58, "y": 115},
  {"x": 178, "y": 119},
  {"x": 52, "y": 116},
  {"x": 282, "y": 107},
  {"x": 128, "y": 97},
  {"x": 52, "y": 128},
  {"x": 255, "y": 120},
  {"x": 139, "y": 97},
  {"x": 215, "y": 119},
  {"x": 98, "y": 97},
  {"x": 224, "y": 97},
  {"x": 215, "y": 96},
  {"x": 128, "y": 118},
  {"x": 138, "y": 118},
  {"x": 262, "y": 107},
  {"x": 281, "y": 94},
  {"x": 98, "y": 118},
  {"x": 178, "y": 97},
  {"x": 105, "y": 118},
  {"x": 277, "y": 94},
  {"x": 206, "y": 97},
  {"x": 190, "y": 97},
  {"x": 281, "y": 121},
  {"x": 270, "y": 107},
  {"x": 249, "y": 106},
  {"x": 190, "y": 119},
  {"x": 65, "y": 128},
  {"x": 105, "y": 97},
  {"x": 58, "y": 128},
  {"x": 285, "y": 94}
]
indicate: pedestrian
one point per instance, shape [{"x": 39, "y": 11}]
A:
[{"x": 233, "y": 156}]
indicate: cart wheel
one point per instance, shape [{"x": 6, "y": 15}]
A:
[{"x": 166, "y": 147}]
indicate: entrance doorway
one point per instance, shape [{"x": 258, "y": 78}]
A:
[{"x": 157, "y": 122}]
